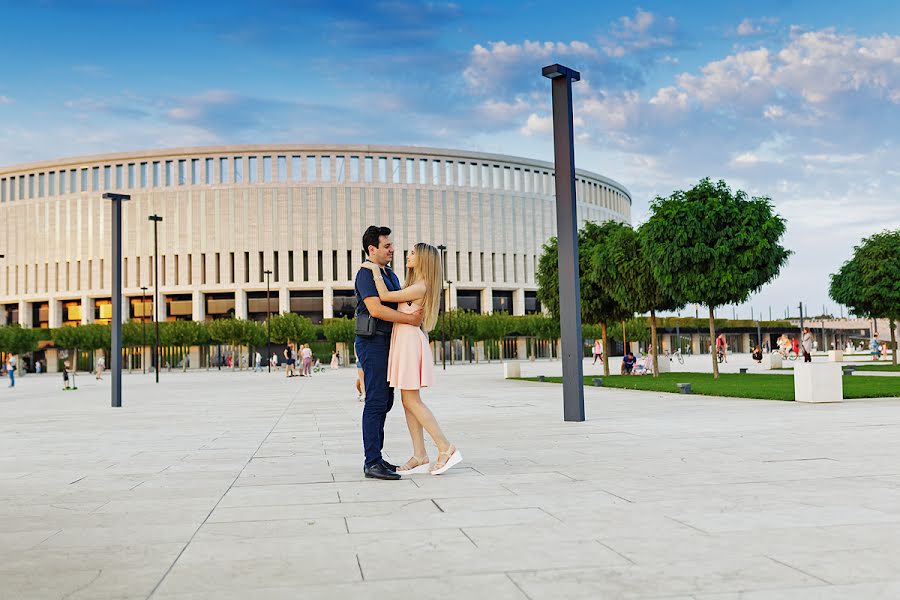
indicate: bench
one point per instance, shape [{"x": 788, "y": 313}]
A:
[
  {"x": 684, "y": 388},
  {"x": 598, "y": 382},
  {"x": 743, "y": 369}
]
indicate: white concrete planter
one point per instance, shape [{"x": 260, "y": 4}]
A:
[
  {"x": 818, "y": 382},
  {"x": 512, "y": 370},
  {"x": 775, "y": 360},
  {"x": 836, "y": 355}
]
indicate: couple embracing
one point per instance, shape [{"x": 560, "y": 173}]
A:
[{"x": 392, "y": 349}]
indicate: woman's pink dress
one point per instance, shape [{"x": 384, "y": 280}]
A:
[{"x": 410, "y": 362}]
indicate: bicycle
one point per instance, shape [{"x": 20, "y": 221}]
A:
[
  {"x": 788, "y": 355},
  {"x": 675, "y": 355}
]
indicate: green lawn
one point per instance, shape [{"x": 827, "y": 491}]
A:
[
  {"x": 765, "y": 387},
  {"x": 877, "y": 367}
]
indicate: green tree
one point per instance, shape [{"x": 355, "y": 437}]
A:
[
  {"x": 229, "y": 332},
  {"x": 710, "y": 246},
  {"x": 597, "y": 304},
  {"x": 869, "y": 283},
  {"x": 340, "y": 331},
  {"x": 290, "y": 328},
  {"x": 15, "y": 339},
  {"x": 630, "y": 281}
]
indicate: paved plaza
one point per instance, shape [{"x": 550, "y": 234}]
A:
[{"x": 233, "y": 485}]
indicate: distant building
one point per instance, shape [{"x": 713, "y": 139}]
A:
[{"x": 232, "y": 212}]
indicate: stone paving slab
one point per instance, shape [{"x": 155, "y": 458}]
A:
[{"x": 230, "y": 485}]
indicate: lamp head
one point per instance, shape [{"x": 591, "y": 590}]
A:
[
  {"x": 114, "y": 197},
  {"x": 557, "y": 70},
  {"x": 156, "y": 218}
]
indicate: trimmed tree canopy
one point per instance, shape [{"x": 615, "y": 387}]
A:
[
  {"x": 869, "y": 283},
  {"x": 714, "y": 247}
]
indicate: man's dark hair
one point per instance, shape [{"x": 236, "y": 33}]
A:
[{"x": 372, "y": 235}]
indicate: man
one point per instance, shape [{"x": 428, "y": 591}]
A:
[
  {"x": 874, "y": 346},
  {"x": 722, "y": 347},
  {"x": 372, "y": 350}
]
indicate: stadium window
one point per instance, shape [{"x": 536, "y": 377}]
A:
[
  {"x": 349, "y": 264},
  {"x": 436, "y": 172},
  {"x": 267, "y": 169},
  {"x": 326, "y": 169},
  {"x": 262, "y": 266},
  {"x": 170, "y": 175},
  {"x": 297, "y": 168},
  {"x": 95, "y": 179},
  {"x": 182, "y": 174},
  {"x": 156, "y": 171},
  {"x": 143, "y": 175},
  {"x": 354, "y": 169},
  {"x": 382, "y": 169},
  {"x": 458, "y": 271},
  {"x": 252, "y": 166},
  {"x": 176, "y": 269},
  {"x": 305, "y": 265},
  {"x": 282, "y": 169},
  {"x": 3, "y": 190},
  {"x": 238, "y": 169},
  {"x": 107, "y": 177},
  {"x": 73, "y": 180},
  {"x": 310, "y": 168},
  {"x": 131, "y": 175},
  {"x": 275, "y": 266},
  {"x": 84, "y": 181},
  {"x": 41, "y": 178},
  {"x": 190, "y": 270},
  {"x": 246, "y": 267},
  {"x": 210, "y": 170},
  {"x": 395, "y": 170},
  {"x": 473, "y": 174},
  {"x": 448, "y": 172},
  {"x": 368, "y": 169},
  {"x": 195, "y": 171},
  {"x": 321, "y": 269},
  {"x": 223, "y": 170},
  {"x": 218, "y": 268},
  {"x": 120, "y": 176},
  {"x": 290, "y": 266},
  {"x": 231, "y": 267},
  {"x": 334, "y": 265},
  {"x": 202, "y": 269},
  {"x": 339, "y": 166},
  {"x": 423, "y": 171},
  {"x": 410, "y": 170}
]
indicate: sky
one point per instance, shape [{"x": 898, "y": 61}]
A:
[{"x": 798, "y": 101}]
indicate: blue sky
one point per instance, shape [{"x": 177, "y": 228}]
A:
[{"x": 798, "y": 101}]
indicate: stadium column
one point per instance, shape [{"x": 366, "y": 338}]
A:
[
  {"x": 284, "y": 300},
  {"x": 197, "y": 312},
  {"x": 24, "y": 313},
  {"x": 240, "y": 304},
  {"x": 328, "y": 302}
]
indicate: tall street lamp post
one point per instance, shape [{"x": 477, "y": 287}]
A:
[
  {"x": 267, "y": 273},
  {"x": 144, "y": 328},
  {"x": 116, "y": 325},
  {"x": 156, "y": 219},
  {"x": 443, "y": 250},
  {"x": 567, "y": 231}
]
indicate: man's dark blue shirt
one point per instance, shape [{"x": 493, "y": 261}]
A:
[{"x": 365, "y": 288}]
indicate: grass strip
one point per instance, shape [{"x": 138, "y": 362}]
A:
[{"x": 736, "y": 385}]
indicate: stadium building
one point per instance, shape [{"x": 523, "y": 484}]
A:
[{"x": 230, "y": 213}]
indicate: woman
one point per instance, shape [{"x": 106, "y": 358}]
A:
[
  {"x": 757, "y": 354},
  {"x": 410, "y": 362},
  {"x": 598, "y": 352},
  {"x": 807, "y": 345},
  {"x": 334, "y": 360}
]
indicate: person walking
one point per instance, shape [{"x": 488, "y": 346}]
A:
[
  {"x": 411, "y": 363},
  {"x": 307, "y": 355},
  {"x": 334, "y": 360},
  {"x": 11, "y": 365},
  {"x": 101, "y": 366},
  {"x": 598, "y": 351},
  {"x": 257, "y": 363},
  {"x": 875, "y": 346},
  {"x": 807, "y": 345},
  {"x": 374, "y": 326}
]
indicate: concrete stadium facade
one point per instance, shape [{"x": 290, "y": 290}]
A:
[{"x": 232, "y": 212}]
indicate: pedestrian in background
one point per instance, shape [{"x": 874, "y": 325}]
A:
[
  {"x": 807, "y": 344},
  {"x": 11, "y": 364}
]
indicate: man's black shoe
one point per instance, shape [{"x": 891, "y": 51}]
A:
[
  {"x": 378, "y": 471},
  {"x": 389, "y": 466}
]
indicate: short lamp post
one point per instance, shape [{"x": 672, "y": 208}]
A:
[
  {"x": 144, "y": 328},
  {"x": 443, "y": 250},
  {"x": 567, "y": 231},
  {"x": 156, "y": 220},
  {"x": 268, "y": 273},
  {"x": 116, "y": 325}
]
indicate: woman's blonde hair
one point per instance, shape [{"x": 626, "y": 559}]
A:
[{"x": 429, "y": 271}]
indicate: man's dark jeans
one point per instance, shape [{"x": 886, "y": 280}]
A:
[{"x": 372, "y": 356}]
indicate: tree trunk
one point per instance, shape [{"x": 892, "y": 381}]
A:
[
  {"x": 605, "y": 349},
  {"x": 624, "y": 340},
  {"x": 654, "y": 346},
  {"x": 712, "y": 340},
  {"x": 893, "y": 342}
]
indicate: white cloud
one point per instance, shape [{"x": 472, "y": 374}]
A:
[
  {"x": 644, "y": 32},
  {"x": 5, "y": 100},
  {"x": 751, "y": 27},
  {"x": 535, "y": 124},
  {"x": 491, "y": 66},
  {"x": 747, "y": 28},
  {"x": 773, "y": 111}
]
